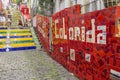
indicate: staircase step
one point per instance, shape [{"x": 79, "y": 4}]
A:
[
  {"x": 20, "y": 36},
  {"x": 22, "y": 45},
  {"x": 16, "y": 49},
  {"x": 1, "y": 37},
  {"x": 25, "y": 41},
  {"x": 2, "y": 40},
  {"x": 3, "y": 46},
  {"x": 22, "y": 48},
  {"x": 19, "y": 30},
  {"x": 20, "y": 39}
]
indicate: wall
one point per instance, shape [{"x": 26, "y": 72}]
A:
[
  {"x": 88, "y": 44},
  {"x": 42, "y": 29},
  {"x": 62, "y": 4},
  {"x": 86, "y": 6}
]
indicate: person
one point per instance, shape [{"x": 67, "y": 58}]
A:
[
  {"x": 9, "y": 15},
  {"x": 9, "y": 22},
  {"x": 20, "y": 23},
  {"x": 0, "y": 20},
  {"x": 9, "y": 19},
  {"x": 3, "y": 20},
  {"x": 26, "y": 24}
]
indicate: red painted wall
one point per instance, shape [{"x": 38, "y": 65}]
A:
[
  {"x": 42, "y": 29},
  {"x": 91, "y": 49},
  {"x": 88, "y": 45}
]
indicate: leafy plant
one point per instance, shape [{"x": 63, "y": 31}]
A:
[
  {"x": 46, "y": 7},
  {"x": 18, "y": 1}
]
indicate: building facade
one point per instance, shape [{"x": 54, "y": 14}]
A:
[
  {"x": 33, "y": 7},
  {"x": 86, "y": 5},
  {"x": 61, "y": 4},
  {"x": 1, "y": 5},
  {"x": 5, "y": 3}
]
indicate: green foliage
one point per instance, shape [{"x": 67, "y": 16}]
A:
[
  {"x": 18, "y": 1},
  {"x": 46, "y": 5}
]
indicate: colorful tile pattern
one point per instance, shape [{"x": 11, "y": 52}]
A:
[
  {"x": 87, "y": 44},
  {"x": 42, "y": 30},
  {"x": 91, "y": 49}
]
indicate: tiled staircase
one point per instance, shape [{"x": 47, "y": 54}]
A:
[
  {"x": 36, "y": 40},
  {"x": 16, "y": 39}
]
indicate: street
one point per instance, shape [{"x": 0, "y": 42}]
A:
[{"x": 31, "y": 65}]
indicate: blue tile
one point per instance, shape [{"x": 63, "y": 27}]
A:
[
  {"x": 3, "y": 50},
  {"x": 19, "y": 36},
  {"x": 22, "y": 48}
]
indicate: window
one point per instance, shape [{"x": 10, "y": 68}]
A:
[
  {"x": 73, "y": 2},
  {"x": 92, "y": 5},
  {"x": 109, "y": 3}
]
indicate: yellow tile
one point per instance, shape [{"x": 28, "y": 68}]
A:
[
  {"x": 2, "y": 46},
  {"x": 20, "y": 39},
  {"x": 21, "y": 34},
  {"x": 22, "y": 45}
]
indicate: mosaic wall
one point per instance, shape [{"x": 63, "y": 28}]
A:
[
  {"x": 42, "y": 29},
  {"x": 88, "y": 45}
]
